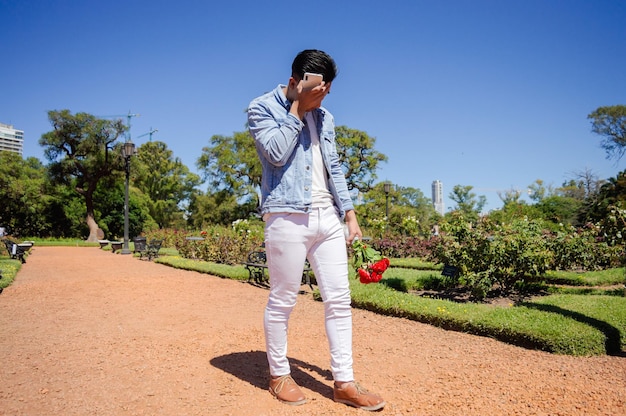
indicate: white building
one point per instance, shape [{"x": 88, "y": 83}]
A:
[
  {"x": 437, "y": 197},
  {"x": 11, "y": 140}
]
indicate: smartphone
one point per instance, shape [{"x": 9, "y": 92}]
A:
[{"x": 311, "y": 81}]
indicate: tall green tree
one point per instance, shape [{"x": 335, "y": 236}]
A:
[
  {"x": 611, "y": 194},
  {"x": 358, "y": 157},
  {"x": 232, "y": 170},
  {"x": 610, "y": 123},
  {"x": 110, "y": 209},
  {"x": 560, "y": 209},
  {"x": 510, "y": 196},
  {"x": 66, "y": 211},
  {"x": 81, "y": 148},
  {"x": 220, "y": 207},
  {"x": 514, "y": 211},
  {"x": 23, "y": 197},
  {"x": 416, "y": 213},
  {"x": 231, "y": 164},
  {"x": 166, "y": 181},
  {"x": 410, "y": 212},
  {"x": 538, "y": 190},
  {"x": 582, "y": 185},
  {"x": 467, "y": 201}
]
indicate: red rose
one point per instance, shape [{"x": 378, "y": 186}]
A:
[
  {"x": 368, "y": 262},
  {"x": 380, "y": 266},
  {"x": 364, "y": 276},
  {"x": 376, "y": 277}
]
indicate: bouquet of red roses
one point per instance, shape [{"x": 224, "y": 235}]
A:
[{"x": 368, "y": 262}]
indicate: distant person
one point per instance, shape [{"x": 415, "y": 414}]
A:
[{"x": 304, "y": 202}]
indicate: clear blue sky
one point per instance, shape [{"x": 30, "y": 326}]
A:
[{"x": 493, "y": 94}]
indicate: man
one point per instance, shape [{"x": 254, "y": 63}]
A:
[{"x": 304, "y": 201}]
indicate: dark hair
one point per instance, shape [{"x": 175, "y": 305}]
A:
[{"x": 315, "y": 61}]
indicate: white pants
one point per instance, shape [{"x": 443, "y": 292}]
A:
[{"x": 289, "y": 240}]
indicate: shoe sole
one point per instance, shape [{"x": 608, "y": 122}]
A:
[
  {"x": 369, "y": 408},
  {"x": 298, "y": 403}
]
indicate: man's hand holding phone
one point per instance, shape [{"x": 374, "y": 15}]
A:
[
  {"x": 312, "y": 90},
  {"x": 307, "y": 94},
  {"x": 310, "y": 81}
]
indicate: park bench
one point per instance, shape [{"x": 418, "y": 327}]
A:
[
  {"x": 150, "y": 250},
  {"x": 256, "y": 265},
  {"x": 17, "y": 251},
  {"x": 116, "y": 245}
]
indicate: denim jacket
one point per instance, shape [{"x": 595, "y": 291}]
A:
[{"x": 283, "y": 144}]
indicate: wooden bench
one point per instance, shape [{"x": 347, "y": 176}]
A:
[
  {"x": 257, "y": 265},
  {"x": 150, "y": 250},
  {"x": 116, "y": 245},
  {"x": 103, "y": 243},
  {"x": 17, "y": 251}
]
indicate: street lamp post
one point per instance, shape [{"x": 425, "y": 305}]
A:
[
  {"x": 127, "y": 152},
  {"x": 387, "y": 189}
]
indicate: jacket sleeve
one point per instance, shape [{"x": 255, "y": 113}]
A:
[{"x": 274, "y": 138}]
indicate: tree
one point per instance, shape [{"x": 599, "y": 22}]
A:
[
  {"x": 560, "y": 209},
  {"x": 231, "y": 164},
  {"x": 232, "y": 168},
  {"x": 220, "y": 208},
  {"x": 514, "y": 211},
  {"x": 586, "y": 184},
  {"x": 66, "y": 212},
  {"x": 165, "y": 180},
  {"x": 510, "y": 196},
  {"x": 110, "y": 209},
  {"x": 611, "y": 194},
  {"x": 538, "y": 191},
  {"x": 610, "y": 122},
  {"x": 467, "y": 201},
  {"x": 407, "y": 205},
  {"x": 23, "y": 195},
  {"x": 81, "y": 148},
  {"x": 358, "y": 157},
  {"x": 415, "y": 214}
]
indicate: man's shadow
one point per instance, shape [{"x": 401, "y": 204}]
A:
[
  {"x": 252, "y": 367},
  {"x": 612, "y": 344}
]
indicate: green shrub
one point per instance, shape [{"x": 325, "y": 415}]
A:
[
  {"x": 516, "y": 254},
  {"x": 219, "y": 244}
]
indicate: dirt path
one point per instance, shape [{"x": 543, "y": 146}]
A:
[{"x": 88, "y": 332}]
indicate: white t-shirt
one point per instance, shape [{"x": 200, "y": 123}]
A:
[{"x": 320, "y": 194}]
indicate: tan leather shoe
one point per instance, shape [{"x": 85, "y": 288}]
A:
[
  {"x": 355, "y": 395},
  {"x": 286, "y": 390}
]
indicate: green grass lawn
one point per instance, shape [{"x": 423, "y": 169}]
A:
[
  {"x": 8, "y": 270},
  {"x": 563, "y": 324}
]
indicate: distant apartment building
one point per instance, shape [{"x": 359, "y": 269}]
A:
[
  {"x": 437, "y": 196},
  {"x": 11, "y": 140}
]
